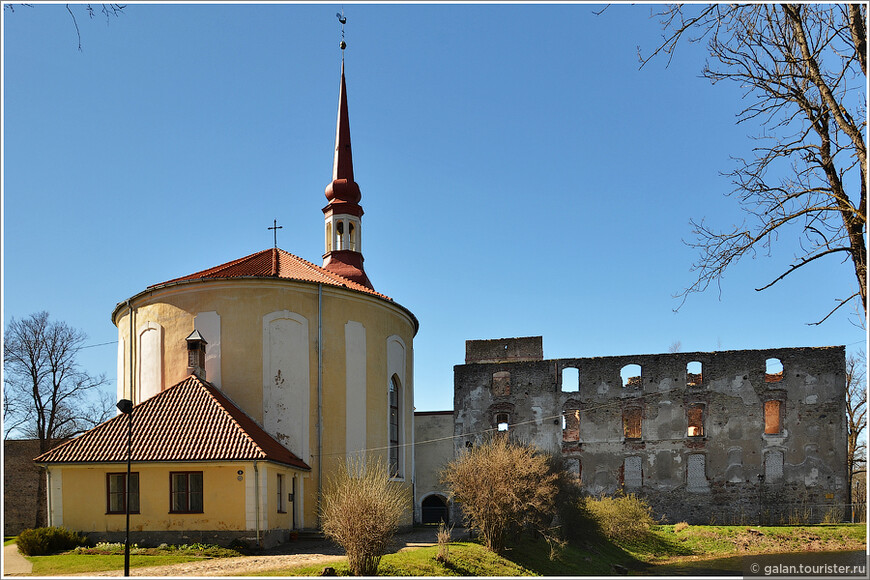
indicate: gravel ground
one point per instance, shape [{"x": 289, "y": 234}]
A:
[{"x": 292, "y": 554}]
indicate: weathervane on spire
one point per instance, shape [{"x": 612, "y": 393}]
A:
[{"x": 341, "y": 18}]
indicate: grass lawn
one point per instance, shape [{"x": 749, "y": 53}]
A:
[
  {"x": 465, "y": 559},
  {"x": 661, "y": 546},
  {"x": 9, "y": 540},
  {"x": 597, "y": 558},
  {"x": 697, "y": 542},
  {"x": 63, "y": 564}
]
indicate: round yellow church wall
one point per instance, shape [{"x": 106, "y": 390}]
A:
[{"x": 366, "y": 340}]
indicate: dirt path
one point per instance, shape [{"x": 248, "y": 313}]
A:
[{"x": 293, "y": 554}]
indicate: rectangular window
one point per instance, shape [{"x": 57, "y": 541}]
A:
[
  {"x": 116, "y": 490},
  {"x": 281, "y": 508},
  {"x": 185, "y": 492},
  {"x": 631, "y": 421},
  {"x": 571, "y": 425},
  {"x": 772, "y": 422},
  {"x": 696, "y": 421}
]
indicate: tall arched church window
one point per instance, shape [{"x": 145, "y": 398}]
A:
[
  {"x": 395, "y": 431},
  {"x": 339, "y": 232},
  {"x": 351, "y": 231},
  {"x": 329, "y": 237}
]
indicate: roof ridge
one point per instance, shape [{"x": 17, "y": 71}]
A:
[{"x": 213, "y": 269}]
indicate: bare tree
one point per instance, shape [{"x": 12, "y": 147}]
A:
[
  {"x": 107, "y": 10},
  {"x": 46, "y": 395},
  {"x": 804, "y": 71},
  {"x": 856, "y": 417}
]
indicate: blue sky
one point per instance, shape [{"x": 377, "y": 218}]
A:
[{"x": 520, "y": 175}]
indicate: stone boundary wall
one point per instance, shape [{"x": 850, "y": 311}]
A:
[{"x": 20, "y": 484}]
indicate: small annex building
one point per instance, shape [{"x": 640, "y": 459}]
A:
[
  {"x": 302, "y": 365},
  {"x": 187, "y": 436}
]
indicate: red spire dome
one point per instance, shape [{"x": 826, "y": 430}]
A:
[{"x": 343, "y": 212}]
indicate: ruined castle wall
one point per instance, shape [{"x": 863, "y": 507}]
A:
[{"x": 726, "y": 440}]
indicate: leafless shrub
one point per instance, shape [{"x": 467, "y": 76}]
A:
[
  {"x": 361, "y": 510},
  {"x": 443, "y": 542},
  {"x": 503, "y": 487},
  {"x": 621, "y": 518}
]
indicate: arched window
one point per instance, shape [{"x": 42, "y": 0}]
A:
[
  {"x": 329, "y": 237},
  {"x": 502, "y": 421},
  {"x": 772, "y": 370},
  {"x": 351, "y": 232},
  {"x": 631, "y": 376},
  {"x": 395, "y": 426},
  {"x": 570, "y": 380},
  {"x": 339, "y": 232},
  {"x": 694, "y": 374}
]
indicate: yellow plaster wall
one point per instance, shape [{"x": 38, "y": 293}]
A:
[
  {"x": 241, "y": 305},
  {"x": 85, "y": 496}
]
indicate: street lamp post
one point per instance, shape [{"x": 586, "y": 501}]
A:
[{"x": 126, "y": 407}]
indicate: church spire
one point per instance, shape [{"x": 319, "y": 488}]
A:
[{"x": 343, "y": 213}]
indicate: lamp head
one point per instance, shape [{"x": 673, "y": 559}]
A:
[{"x": 125, "y": 406}]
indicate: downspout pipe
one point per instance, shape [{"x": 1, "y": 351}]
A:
[
  {"x": 319, "y": 400},
  {"x": 132, "y": 364},
  {"x": 48, "y": 494},
  {"x": 257, "y": 501}
]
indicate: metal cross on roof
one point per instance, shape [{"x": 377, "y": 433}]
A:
[{"x": 275, "y": 227}]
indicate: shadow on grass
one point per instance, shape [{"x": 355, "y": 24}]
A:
[{"x": 596, "y": 556}]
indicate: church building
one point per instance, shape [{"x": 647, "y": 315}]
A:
[{"x": 250, "y": 382}]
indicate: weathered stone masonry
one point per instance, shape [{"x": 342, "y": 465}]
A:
[{"x": 703, "y": 436}]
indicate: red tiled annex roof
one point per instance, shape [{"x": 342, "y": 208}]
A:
[
  {"x": 276, "y": 263},
  {"x": 191, "y": 421}
]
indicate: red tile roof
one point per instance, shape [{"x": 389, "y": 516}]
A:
[
  {"x": 191, "y": 421},
  {"x": 275, "y": 263}
]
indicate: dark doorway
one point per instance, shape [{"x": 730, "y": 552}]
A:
[{"x": 434, "y": 510}]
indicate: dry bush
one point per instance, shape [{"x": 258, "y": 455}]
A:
[
  {"x": 443, "y": 542},
  {"x": 621, "y": 518},
  {"x": 680, "y": 527},
  {"x": 503, "y": 487},
  {"x": 361, "y": 510}
]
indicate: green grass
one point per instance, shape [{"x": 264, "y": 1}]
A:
[
  {"x": 466, "y": 559},
  {"x": 64, "y": 564},
  {"x": 531, "y": 557},
  {"x": 597, "y": 557},
  {"x": 9, "y": 540},
  {"x": 713, "y": 541}
]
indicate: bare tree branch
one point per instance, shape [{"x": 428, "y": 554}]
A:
[{"x": 803, "y": 68}]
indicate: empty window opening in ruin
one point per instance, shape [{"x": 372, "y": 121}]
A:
[
  {"x": 502, "y": 421},
  {"x": 772, "y": 417},
  {"x": 571, "y": 425},
  {"x": 631, "y": 422},
  {"x": 570, "y": 380},
  {"x": 632, "y": 472},
  {"x": 694, "y": 374},
  {"x": 695, "y": 415},
  {"x": 501, "y": 384},
  {"x": 631, "y": 376},
  {"x": 772, "y": 370}
]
